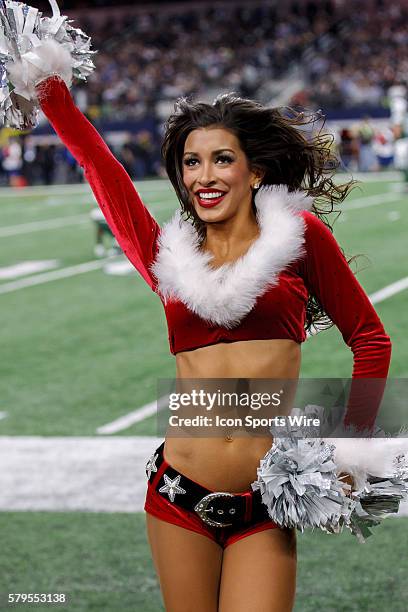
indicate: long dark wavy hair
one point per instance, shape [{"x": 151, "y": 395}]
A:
[{"x": 280, "y": 142}]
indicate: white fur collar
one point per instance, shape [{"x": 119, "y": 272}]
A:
[{"x": 224, "y": 295}]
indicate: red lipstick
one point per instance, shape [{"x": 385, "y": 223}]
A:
[{"x": 210, "y": 200}]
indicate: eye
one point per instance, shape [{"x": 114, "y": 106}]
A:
[
  {"x": 224, "y": 159},
  {"x": 190, "y": 161}
]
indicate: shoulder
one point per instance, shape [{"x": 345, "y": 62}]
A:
[
  {"x": 320, "y": 248},
  {"x": 313, "y": 225},
  {"x": 317, "y": 235}
]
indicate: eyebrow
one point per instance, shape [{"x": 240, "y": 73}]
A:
[{"x": 213, "y": 152}]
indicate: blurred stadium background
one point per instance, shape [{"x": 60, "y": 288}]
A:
[{"x": 84, "y": 340}]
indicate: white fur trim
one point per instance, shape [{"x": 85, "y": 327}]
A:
[
  {"x": 361, "y": 457},
  {"x": 224, "y": 295},
  {"x": 46, "y": 59}
]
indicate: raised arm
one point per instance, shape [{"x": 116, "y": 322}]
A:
[
  {"x": 329, "y": 277},
  {"x": 133, "y": 226},
  {"x": 41, "y": 76}
]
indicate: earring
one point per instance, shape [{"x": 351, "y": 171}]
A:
[{"x": 256, "y": 185}]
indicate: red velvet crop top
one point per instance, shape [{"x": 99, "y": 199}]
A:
[{"x": 264, "y": 298}]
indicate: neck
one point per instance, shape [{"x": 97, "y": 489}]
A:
[{"x": 225, "y": 238}]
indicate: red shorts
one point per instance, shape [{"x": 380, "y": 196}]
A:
[{"x": 162, "y": 508}]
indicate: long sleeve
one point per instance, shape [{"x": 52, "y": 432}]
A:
[
  {"x": 131, "y": 223},
  {"x": 329, "y": 278}
]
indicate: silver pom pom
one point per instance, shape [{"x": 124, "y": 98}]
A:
[
  {"x": 298, "y": 483},
  {"x": 299, "y": 478},
  {"x": 22, "y": 30},
  {"x": 379, "y": 498}
]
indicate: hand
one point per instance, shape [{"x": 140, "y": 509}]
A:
[{"x": 348, "y": 480}]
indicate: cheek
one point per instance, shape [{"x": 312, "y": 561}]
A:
[
  {"x": 188, "y": 179},
  {"x": 239, "y": 177}
]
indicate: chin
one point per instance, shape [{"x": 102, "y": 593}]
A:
[{"x": 211, "y": 215}]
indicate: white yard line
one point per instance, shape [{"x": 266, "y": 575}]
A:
[
  {"x": 133, "y": 417},
  {"x": 66, "y": 200},
  {"x": 380, "y": 295},
  {"x": 41, "y": 190},
  {"x": 48, "y": 202},
  {"x": 389, "y": 291},
  {"x": 77, "y": 474},
  {"x": 159, "y": 184},
  {"x": 371, "y": 177},
  {"x": 55, "y": 201},
  {"x": 61, "y": 222},
  {"x": 74, "y": 473},
  {"x": 48, "y": 277},
  {"x": 23, "y": 268},
  {"x": 373, "y": 200},
  {"x": 38, "y": 226}
]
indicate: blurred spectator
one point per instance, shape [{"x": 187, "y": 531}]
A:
[
  {"x": 105, "y": 242},
  {"x": 46, "y": 161},
  {"x": 399, "y": 121},
  {"x": 138, "y": 155},
  {"x": 12, "y": 162},
  {"x": 367, "y": 159},
  {"x": 384, "y": 148},
  {"x": 348, "y": 149}
]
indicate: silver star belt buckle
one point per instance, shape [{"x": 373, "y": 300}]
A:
[{"x": 205, "y": 507}]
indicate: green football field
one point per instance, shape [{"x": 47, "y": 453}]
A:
[{"x": 81, "y": 348}]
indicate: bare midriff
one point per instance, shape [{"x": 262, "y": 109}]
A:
[{"x": 228, "y": 460}]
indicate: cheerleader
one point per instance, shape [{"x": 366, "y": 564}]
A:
[{"x": 243, "y": 270}]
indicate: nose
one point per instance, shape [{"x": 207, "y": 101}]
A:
[{"x": 206, "y": 175}]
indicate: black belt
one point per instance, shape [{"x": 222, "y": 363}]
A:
[{"x": 215, "y": 508}]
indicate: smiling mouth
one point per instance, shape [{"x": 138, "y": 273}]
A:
[{"x": 208, "y": 198}]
